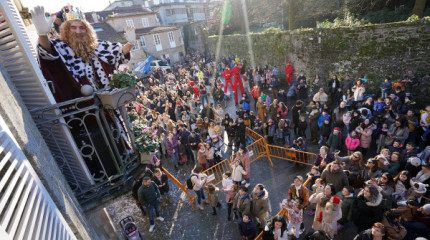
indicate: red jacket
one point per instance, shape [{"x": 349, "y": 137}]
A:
[
  {"x": 236, "y": 71},
  {"x": 255, "y": 93},
  {"x": 227, "y": 74}
]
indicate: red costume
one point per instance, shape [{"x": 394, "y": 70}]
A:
[
  {"x": 227, "y": 76},
  {"x": 237, "y": 80},
  {"x": 289, "y": 72},
  {"x": 196, "y": 92}
]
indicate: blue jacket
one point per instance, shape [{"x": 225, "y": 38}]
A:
[
  {"x": 245, "y": 104},
  {"x": 379, "y": 107},
  {"x": 387, "y": 85},
  {"x": 247, "y": 229},
  {"x": 322, "y": 118}
]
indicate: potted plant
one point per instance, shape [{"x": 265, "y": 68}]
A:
[
  {"x": 122, "y": 89},
  {"x": 147, "y": 142}
]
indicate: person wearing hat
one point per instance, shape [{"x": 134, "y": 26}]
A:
[
  {"x": 332, "y": 213},
  {"x": 335, "y": 140},
  {"x": 297, "y": 189}
]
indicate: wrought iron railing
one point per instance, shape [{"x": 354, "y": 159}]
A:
[{"x": 93, "y": 146}]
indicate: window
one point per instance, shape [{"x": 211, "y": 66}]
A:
[
  {"x": 158, "y": 20},
  {"x": 129, "y": 22},
  {"x": 170, "y": 35},
  {"x": 145, "y": 22},
  {"x": 157, "y": 41},
  {"x": 171, "y": 39},
  {"x": 142, "y": 41},
  {"x": 180, "y": 37}
]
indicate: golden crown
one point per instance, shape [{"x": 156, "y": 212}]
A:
[{"x": 70, "y": 13}]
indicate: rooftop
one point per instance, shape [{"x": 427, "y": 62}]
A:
[
  {"x": 156, "y": 29},
  {"x": 124, "y": 11},
  {"x": 107, "y": 33}
]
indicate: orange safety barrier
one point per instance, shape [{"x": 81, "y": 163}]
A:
[
  {"x": 218, "y": 170},
  {"x": 292, "y": 155},
  {"x": 182, "y": 187}
]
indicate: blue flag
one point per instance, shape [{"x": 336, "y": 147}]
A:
[{"x": 144, "y": 66}]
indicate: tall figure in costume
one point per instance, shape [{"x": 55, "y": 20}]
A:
[
  {"x": 237, "y": 81},
  {"x": 77, "y": 58},
  {"x": 227, "y": 76},
  {"x": 289, "y": 72}
]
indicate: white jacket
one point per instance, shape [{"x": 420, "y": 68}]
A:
[{"x": 237, "y": 173}]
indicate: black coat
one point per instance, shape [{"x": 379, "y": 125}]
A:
[
  {"x": 165, "y": 180},
  {"x": 365, "y": 213}
]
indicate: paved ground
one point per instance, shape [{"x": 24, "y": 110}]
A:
[{"x": 181, "y": 222}]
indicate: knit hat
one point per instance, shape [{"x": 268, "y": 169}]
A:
[
  {"x": 421, "y": 188},
  {"x": 336, "y": 129},
  {"x": 270, "y": 121},
  {"x": 335, "y": 199},
  {"x": 415, "y": 161}
]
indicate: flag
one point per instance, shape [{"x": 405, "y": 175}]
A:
[{"x": 144, "y": 66}]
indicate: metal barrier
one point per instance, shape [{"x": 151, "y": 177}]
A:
[
  {"x": 182, "y": 187},
  {"x": 292, "y": 155},
  {"x": 219, "y": 169}
]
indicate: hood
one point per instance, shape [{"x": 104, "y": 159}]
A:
[
  {"x": 374, "y": 202},
  {"x": 265, "y": 196}
]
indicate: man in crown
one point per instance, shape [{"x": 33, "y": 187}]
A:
[{"x": 77, "y": 58}]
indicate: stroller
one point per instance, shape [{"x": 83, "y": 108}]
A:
[{"x": 130, "y": 229}]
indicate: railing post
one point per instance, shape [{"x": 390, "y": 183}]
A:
[
  {"x": 182, "y": 187},
  {"x": 267, "y": 152}
]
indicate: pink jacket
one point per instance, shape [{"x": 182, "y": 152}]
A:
[
  {"x": 352, "y": 143},
  {"x": 229, "y": 194}
]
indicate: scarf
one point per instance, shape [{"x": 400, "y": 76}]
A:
[{"x": 241, "y": 199}]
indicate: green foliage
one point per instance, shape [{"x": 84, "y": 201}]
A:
[
  {"x": 272, "y": 29},
  {"x": 348, "y": 21},
  {"x": 147, "y": 140},
  {"x": 123, "y": 78},
  {"x": 413, "y": 17}
]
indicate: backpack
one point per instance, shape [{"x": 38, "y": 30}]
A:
[{"x": 189, "y": 183}]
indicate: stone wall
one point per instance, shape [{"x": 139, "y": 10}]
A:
[{"x": 374, "y": 50}]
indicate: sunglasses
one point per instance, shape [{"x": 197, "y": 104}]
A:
[{"x": 354, "y": 156}]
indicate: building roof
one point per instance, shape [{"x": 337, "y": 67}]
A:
[
  {"x": 107, "y": 33},
  {"x": 156, "y": 29},
  {"x": 123, "y": 11}
]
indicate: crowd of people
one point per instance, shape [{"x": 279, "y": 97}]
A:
[{"x": 380, "y": 185}]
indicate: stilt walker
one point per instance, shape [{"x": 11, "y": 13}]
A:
[
  {"x": 237, "y": 80},
  {"x": 227, "y": 76}
]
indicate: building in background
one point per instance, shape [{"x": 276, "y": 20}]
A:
[{"x": 153, "y": 38}]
